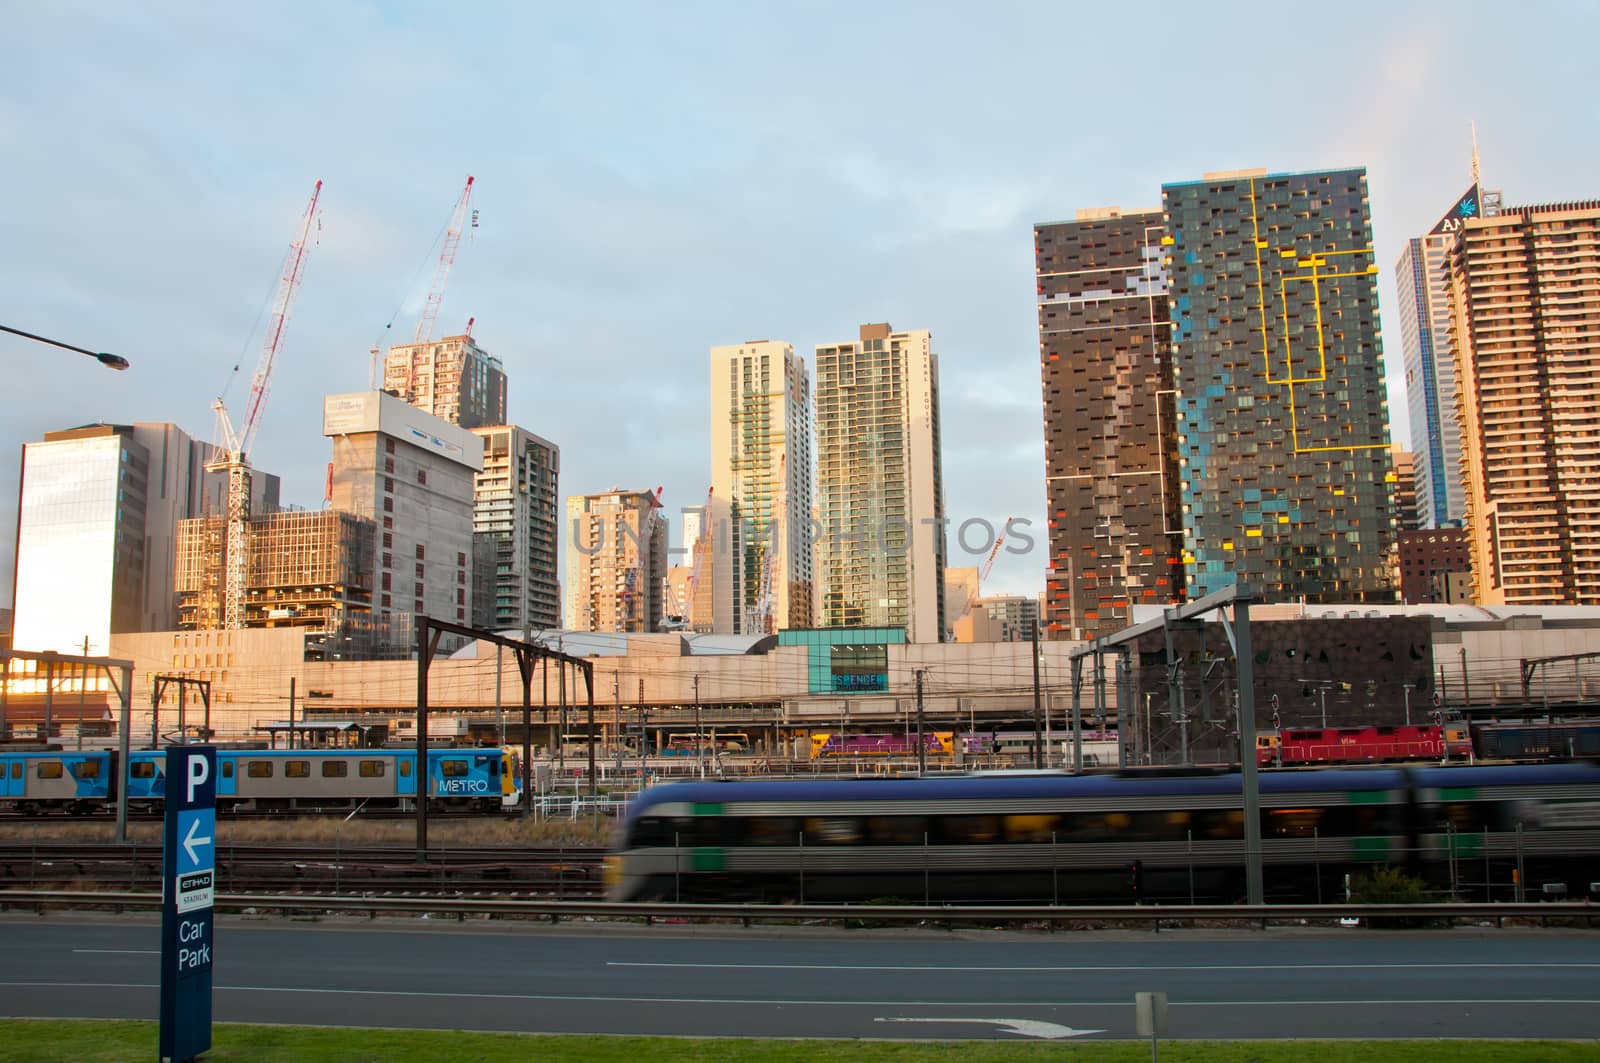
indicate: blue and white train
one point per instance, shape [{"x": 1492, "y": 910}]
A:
[{"x": 265, "y": 780}]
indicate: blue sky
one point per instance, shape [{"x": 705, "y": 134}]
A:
[{"x": 656, "y": 179}]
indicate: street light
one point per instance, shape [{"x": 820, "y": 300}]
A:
[{"x": 115, "y": 361}]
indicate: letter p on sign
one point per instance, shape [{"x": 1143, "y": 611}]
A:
[{"x": 199, "y": 772}]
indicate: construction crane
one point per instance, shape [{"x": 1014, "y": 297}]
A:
[
  {"x": 983, "y": 574},
  {"x": 232, "y": 456},
  {"x": 441, "y": 272}
]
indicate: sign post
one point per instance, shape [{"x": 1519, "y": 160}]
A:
[{"x": 188, "y": 877}]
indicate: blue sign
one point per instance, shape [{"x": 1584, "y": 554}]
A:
[{"x": 188, "y": 872}]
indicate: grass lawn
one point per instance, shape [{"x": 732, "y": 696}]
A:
[{"x": 43, "y": 1041}]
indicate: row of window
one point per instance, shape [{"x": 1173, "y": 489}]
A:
[{"x": 301, "y": 769}]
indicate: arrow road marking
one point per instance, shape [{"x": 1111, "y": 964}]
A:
[
  {"x": 190, "y": 841},
  {"x": 1022, "y": 1027}
]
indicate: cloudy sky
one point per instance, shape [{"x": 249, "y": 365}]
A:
[{"x": 655, "y": 179}]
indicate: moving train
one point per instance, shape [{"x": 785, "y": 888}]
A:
[
  {"x": 827, "y": 744},
  {"x": 263, "y": 779},
  {"x": 1111, "y": 838},
  {"x": 1454, "y": 740}
]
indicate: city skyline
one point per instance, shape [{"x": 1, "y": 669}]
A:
[{"x": 614, "y": 240}]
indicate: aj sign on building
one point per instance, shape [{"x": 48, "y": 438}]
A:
[{"x": 188, "y": 872}]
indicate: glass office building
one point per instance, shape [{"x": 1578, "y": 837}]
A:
[{"x": 1287, "y": 484}]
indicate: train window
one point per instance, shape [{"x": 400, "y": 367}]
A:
[
  {"x": 1031, "y": 828},
  {"x": 16, "y": 769},
  {"x": 1218, "y": 823},
  {"x": 405, "y": 769},
  {"x": 452, "y": 769},
  {"x": 335, "y": 769},
  {"x": 771, "y": 830},
  {"x": 298, "y": 769},
  {"x": 372, "y": 769},
  {"x": 968, "y": 830},
  {"x": 1291, "y": 822},
  {"x": 48, "y": 769},
  {"x": 897, "y": 830},
  {"x": 142, "y": 769},
  {"x": 86, "y": 769},
  {"x": 227, "y": 769},
  {"x": 833, "y": 830},
  {"x": 653, "y": 831},
  {"x": 258, "y": 769}
]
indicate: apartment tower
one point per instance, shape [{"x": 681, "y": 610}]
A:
[
  {"x": 1283, "y": 432},
  {"x": 1422, "y": 281},
  {"x": 1525, "y": 287},
  {"x": 515, "y": 520},
  {"x": 761, "y": 466},
  {"x": 880, "y": 489},
  {"x": 616, "y": 562},
  {"x": 454, "y": 379},
  {"x": 1109, "y": 420}
]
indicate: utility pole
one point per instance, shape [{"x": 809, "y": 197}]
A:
[
  {"x": 616, "y": 718},
  {"x": 699, "y": 732},
  {"x": 499, "y": 709},
  {"x": 1038, "y": 740},
  {"x": 922, "y": 747},
  {"x": 83, "y": 687},
  {"x": 291, "y": 708}
]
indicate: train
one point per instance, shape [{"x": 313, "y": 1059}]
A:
[
  {"x": 480, "y": 779},
  {"x": 1135, "y": 836},
  {"x": 829, "y": 744},
  {"x": 1451, "y": 740}
]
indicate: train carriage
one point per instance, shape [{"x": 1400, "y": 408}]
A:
[
  {"x": 1108, "y": 838},
  {"x": 55, "y": 781}
]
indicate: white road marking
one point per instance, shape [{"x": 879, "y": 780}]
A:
[
  {"x": 1118, "y": 967},
  {"x": 1048, "y": 1031},
  {"x": 122, "y": 952},
  {"x": 1008, "y": 1004}
]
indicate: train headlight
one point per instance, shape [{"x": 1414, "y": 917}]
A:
[{"x": 611, "y": 871}]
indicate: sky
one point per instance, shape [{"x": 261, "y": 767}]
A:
[{"x": 653, "y": 180}]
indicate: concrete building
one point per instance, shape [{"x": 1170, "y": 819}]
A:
[
  {"x": 998, "y": 618},
  {"x": 761, "y": 464},
  {"x": 516, "y": 519},
  {"x": 962, "y": 587},
  {"x": 616, "y": 562},
  {"x": 411, "y": 474},
  {"x": 1434, "y": 563},
  {"x": 1422, "y": 281},
  {"x": 880, "y": 486},
  {"x": 1283, "y": 429},
  {"x": 97, "y": 527},
  {"x": 1525, "y": 287},
  {"x": 1111, "y": 475},
  {"x": 454, "y": 379},
  {"x": 1405, "y": 488}
]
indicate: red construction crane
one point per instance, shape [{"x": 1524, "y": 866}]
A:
[
  {"x": 441, "y": 272},
  {"x": 232, "y": 457}
]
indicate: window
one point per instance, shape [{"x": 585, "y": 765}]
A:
[
  {"x": 388, "y": 485},
  {"x": 452, "y": 769},
  {"x": 258, "y": 769},
  {"x": 388, "y": 505},
  {"x": 86, "y": 769},
  {"x": 405, "y": 769},
  {"x": 335, "y": 769},
  {"x": 461, "y": 560},
  {"x": 420, "y": 554},
  {"x": 388, "y": 465},
  {"x": 298, "y": 769},
  {"x": 386, "y": 603},
  {"x": 47, "y": 769},
  {"x": 16, "y": 769},
  {"x": 386, "y": 581},
  {"x": 422, "y": 476},
  {"x": 227, "y": 769},
  {"x": 388, "y": 540},
  {"x": 372, "y": 769},
  {"x": 388, "y": 446}
]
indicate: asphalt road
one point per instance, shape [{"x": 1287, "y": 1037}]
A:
[{"x": 813, "y": 982}]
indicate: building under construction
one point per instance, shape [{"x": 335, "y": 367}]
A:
[{"x": 305, "y": 569}]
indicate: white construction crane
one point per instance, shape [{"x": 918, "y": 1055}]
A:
[{"x": 231, "y": 456}]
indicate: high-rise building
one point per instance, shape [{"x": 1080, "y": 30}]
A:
[
  {"x": 616, "y": 562},
  {"x": 1434, "y": 562},
  {"x": 1283, "y": 431},
  {"x": 761, "y": 465},
  {"x": 97, "y": 530},
  {"x": 1526, "y": 331},
  {"x": 880, "y": 484},
  {"x": 516, "y": 511},
  {"x": 1405, "y": 487},
  {"x": 454, "y": 379},
  {"x": 1422, "y": 280},
  {"x": 1109, "y": 422},
  {"x": 962, "y": 587},
  {"x": 411, "y": 474}
]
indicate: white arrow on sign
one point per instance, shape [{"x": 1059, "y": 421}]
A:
[
  {"x": 190, "y": 841},
  {"x": 1024, "y": 1027}
]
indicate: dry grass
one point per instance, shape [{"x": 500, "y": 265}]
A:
[{"x": 333, "y": 830}]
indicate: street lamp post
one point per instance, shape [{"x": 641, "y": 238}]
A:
[{"x": 114, "y": 361}]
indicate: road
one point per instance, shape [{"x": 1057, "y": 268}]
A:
[{"x": 817, "y": 982}]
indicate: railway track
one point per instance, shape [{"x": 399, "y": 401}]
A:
[{"x": 560, "y": 873}]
